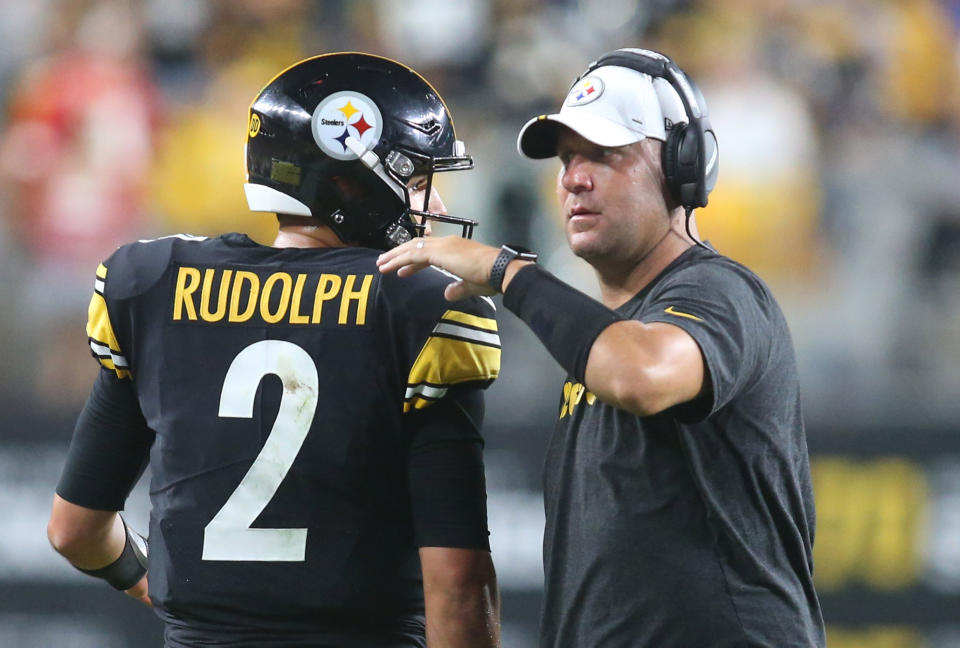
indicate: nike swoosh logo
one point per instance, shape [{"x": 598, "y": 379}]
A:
[{"x": 670, "y": 311}]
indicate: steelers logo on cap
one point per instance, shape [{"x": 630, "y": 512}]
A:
[
  {"x": 346, "y": 114},
  {"x": 584, "y": 91}
]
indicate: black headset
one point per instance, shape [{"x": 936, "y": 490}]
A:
[{"x": 690, "y": 157}]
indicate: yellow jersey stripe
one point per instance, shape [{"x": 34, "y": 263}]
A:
[
  {"x": 445, "y": 361},
  {"x": 458, "y": 332},
  {"x": 416, "y": 403},
  {"x": 103, "y": 341},
  {"x": 485, "y": 323}
]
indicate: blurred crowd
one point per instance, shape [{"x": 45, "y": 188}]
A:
[{"x": 838, "y": 123}]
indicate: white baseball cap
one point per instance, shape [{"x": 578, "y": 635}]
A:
[{"x": 610, "y": 106}]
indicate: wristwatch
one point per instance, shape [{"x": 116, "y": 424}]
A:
[{"x": 507, "y": 254}]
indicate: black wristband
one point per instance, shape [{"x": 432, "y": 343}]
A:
[
  {"x": 507, "y": 254},
  {"x": 127, "y": 570},
  {"x": 566, "y": 321}
]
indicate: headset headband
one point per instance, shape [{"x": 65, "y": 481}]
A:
[{"x": 691, "y": 194}]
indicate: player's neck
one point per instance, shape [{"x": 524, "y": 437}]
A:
[
  {"x": 619, "y": 284},
  {"x": 301, "y": 234}
]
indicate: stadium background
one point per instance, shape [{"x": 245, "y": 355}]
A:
[{"x": 838, "y": 123}]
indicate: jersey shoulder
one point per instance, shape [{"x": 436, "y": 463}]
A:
[
  {"x": 130, "y": 271},
  {"x": 420, "y": 296},
  {"x": 706, "y": 273},
  {"x": 135, "y": 267},
  {"x": 451, "y": 344}
]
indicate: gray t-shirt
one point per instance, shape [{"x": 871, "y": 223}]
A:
[{"x": 693, "y": 527}]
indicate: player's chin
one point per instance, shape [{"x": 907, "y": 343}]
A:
[{"x": 584, "y": 244}]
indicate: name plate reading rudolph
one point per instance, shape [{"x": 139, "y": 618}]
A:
[{"x": 248, "y": 297}]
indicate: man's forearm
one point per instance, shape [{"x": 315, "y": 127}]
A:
[
  {"x": 565, "y": 320},
  {"x": 468, "y": 618},
  {"x": 461, "y": 597}
]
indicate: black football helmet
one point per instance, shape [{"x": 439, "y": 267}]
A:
[{"x": 342, "y": 137}]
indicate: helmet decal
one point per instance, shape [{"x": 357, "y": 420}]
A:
[
  {"x": 585, "y": 91},
  {"x": 346, "y": 114}
]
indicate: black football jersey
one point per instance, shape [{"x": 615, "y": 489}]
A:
[{"x": 277, "y": 381}]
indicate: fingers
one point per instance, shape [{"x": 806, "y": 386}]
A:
[
  {"x": 412, "y": 253},
  {"x": 410, "y": 269},
  {"x": 466, "y": 259}
]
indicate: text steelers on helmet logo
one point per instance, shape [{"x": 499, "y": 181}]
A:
[
  {"x": 585, "y": 91},
  {"x": 342, "y": 115}
]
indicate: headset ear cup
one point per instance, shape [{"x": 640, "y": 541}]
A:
[
  {"x": 681, "y": 165},
  {"x": 669, "y": 158},
  {"x": 689, "y": 173},
  {"x": 689, "y": 155}
]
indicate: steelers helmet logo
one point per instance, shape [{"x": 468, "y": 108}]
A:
[
  {"x": 346, "y": 114},
  {"x": 585, "y": 91}
]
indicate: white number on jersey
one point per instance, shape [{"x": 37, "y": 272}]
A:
[{"x": 229, "y": 536}]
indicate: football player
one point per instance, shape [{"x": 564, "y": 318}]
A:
[{"x": 312, "y": 427}]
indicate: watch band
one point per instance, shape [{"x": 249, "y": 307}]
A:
[{"x": 507, "y": 254}]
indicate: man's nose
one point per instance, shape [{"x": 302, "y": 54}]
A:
[
  {"x": 575, "y": 176},
  {"x": 436, "y": 203}
]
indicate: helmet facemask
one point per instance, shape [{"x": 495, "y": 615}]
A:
[{"x": 403, "y": 166}]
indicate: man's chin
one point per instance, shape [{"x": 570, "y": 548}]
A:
[{"x": 584, "y": 245}]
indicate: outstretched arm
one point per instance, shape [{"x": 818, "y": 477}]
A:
[
  {"x": 637, "y": 367},
  {"x": 469, "y": 260}
]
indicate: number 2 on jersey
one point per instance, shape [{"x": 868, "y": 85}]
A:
[{"x": 229, "y": 535}]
